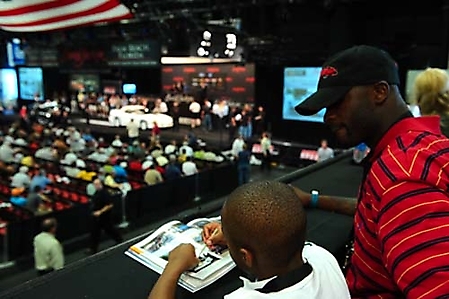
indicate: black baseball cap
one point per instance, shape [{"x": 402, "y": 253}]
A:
[{"x": 356, "y": 66}]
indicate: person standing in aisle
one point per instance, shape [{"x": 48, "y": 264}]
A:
[
  {"x": 102, "y": 217},
  {"x": 265, "y": 145},
  {"x": 133, "y": 131},
  {"x": 48, "y": 252}
]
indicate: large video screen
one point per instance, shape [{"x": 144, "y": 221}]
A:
[
  {"x": 85, "y": 82},
  {"x": 299, "y": 83},
  {"x": 9, "y": 90},
  {"x": 31, "y": 83}
]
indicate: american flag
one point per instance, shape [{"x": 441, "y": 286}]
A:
[{"x": 48, "y": 15}]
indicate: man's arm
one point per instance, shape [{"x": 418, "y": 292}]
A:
[
  {"x": 340, "y": 205},
  {"x": 180, "y": 259},
  {"x": 103, "y": 210}
]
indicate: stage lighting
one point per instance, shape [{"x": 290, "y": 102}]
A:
[
  {"x": 205, "y": 44},
  {"x": 207, "y": 35},
  {"x": 201, "y": 52},
  {"x": 231, "y": 44}
]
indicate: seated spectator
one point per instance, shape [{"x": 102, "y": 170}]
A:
[
  {"x": 46, "y": 153},
  {"x": 35, "y": 200},
  {"x": 110, "y": 181},
  {"x": 117, "y": 142},
  {"x": 135, "y": 165},
  {"x": 27, "y": 161},
  {"x": 121, "y": 175},
  {"x": 87, "y": 174},
  {"x": 21, "y": 179},
  {"x": 71, "y": 170},
  {"x": 152, "y": 176},
  {"x": 187, "y": 149},
  {"x": 171, "y": 148},
  {"x": 99, "y": 155},
  {"x": 102, "y": 143},
  {"x": 265, "y": 229},
  {"x": 17, "y": 197},
  {"x": 69, "y": 158},
  {"x": 7, "y": 151},
  {"x": 189, "y": 167},
  {"x": 40, "y": 180},
  {"x": 87, "y": 136}
]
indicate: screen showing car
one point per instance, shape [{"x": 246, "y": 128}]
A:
[
  {"x": 31, "y": 83},
  {"x": 300, "y": 83},
  {"x": 8, "y": 87}
]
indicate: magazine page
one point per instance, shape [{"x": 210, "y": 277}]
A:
[
  {"x": 153, "y": 252},
  {"x": 200, "y": 222}
]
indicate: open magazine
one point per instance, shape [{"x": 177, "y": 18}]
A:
[{"x": 153, "y": 252}]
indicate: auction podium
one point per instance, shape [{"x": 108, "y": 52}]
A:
[{"x": 112, "y": 274}]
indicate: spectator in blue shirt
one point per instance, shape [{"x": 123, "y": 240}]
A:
[
  {"x": 120, "y": 172},
  {"x": 172, "y": 170},
  {"x": 40, "y": 180}
]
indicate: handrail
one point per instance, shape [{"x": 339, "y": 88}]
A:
[{"x": 288, "y": 178}]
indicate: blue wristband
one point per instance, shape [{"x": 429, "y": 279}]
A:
[{"x": 314, "y": 198}]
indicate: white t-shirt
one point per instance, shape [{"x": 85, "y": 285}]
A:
[
  {"x": 133, "y": 129},
  {"x": 195, "y": 107},
  {"x": 237, "y": 146},
  {"x": 189, "y": 168},
  {"x": 326, "y": 280},
  {"x": 325, "y": 153}
]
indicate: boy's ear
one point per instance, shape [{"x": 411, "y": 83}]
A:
[{"x": 247, "y": 257}]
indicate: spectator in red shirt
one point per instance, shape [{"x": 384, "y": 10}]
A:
[{"x": 401, "y": 224}]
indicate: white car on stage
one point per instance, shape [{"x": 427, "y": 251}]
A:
[{"x": 141, "y": 115}]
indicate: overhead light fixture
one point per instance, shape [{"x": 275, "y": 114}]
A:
[
  {"x": 231, "y": 44},
  {"x": 207, "y": 35},
  {"x": 205, "y": 44}
]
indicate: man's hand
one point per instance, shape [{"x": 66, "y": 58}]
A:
[
  {"x": 97, "y": 213},
  {"x": 210, "y": 238}
]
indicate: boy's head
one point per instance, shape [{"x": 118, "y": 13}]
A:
[{"x": 264, "y": 224}]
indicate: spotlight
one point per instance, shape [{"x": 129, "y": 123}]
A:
[
  {"x": 207, "y": 35},
  {"x": 201, "y": 52},
  {"x": 231, "y": 44}
]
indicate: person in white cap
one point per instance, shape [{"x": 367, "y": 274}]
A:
[{"x": 21, "y": 179}]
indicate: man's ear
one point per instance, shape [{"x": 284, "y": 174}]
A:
[
  {"x": 247, "y": 257},
  {"x": 381, "y": 92}
]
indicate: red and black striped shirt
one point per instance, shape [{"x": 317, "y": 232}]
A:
[{"x": 401, "y": 227}]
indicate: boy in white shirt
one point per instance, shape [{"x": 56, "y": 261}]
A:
[{"x": 264, "y": 226}]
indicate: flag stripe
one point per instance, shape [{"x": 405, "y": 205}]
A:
[
  {"x": 63, "y": 14},
  {"x": 21, "y": 7},
  {"x": 71, "y": 14}
]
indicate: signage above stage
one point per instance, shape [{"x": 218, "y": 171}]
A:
[
  {"x": 115, "y": 54},
  {"x": 134, "y": 54}
]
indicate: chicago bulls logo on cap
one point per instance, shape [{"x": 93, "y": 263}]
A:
[{"x": 328, "y": 71}]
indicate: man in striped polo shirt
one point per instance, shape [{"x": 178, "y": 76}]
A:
[{"x": 401, "y": 224}]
